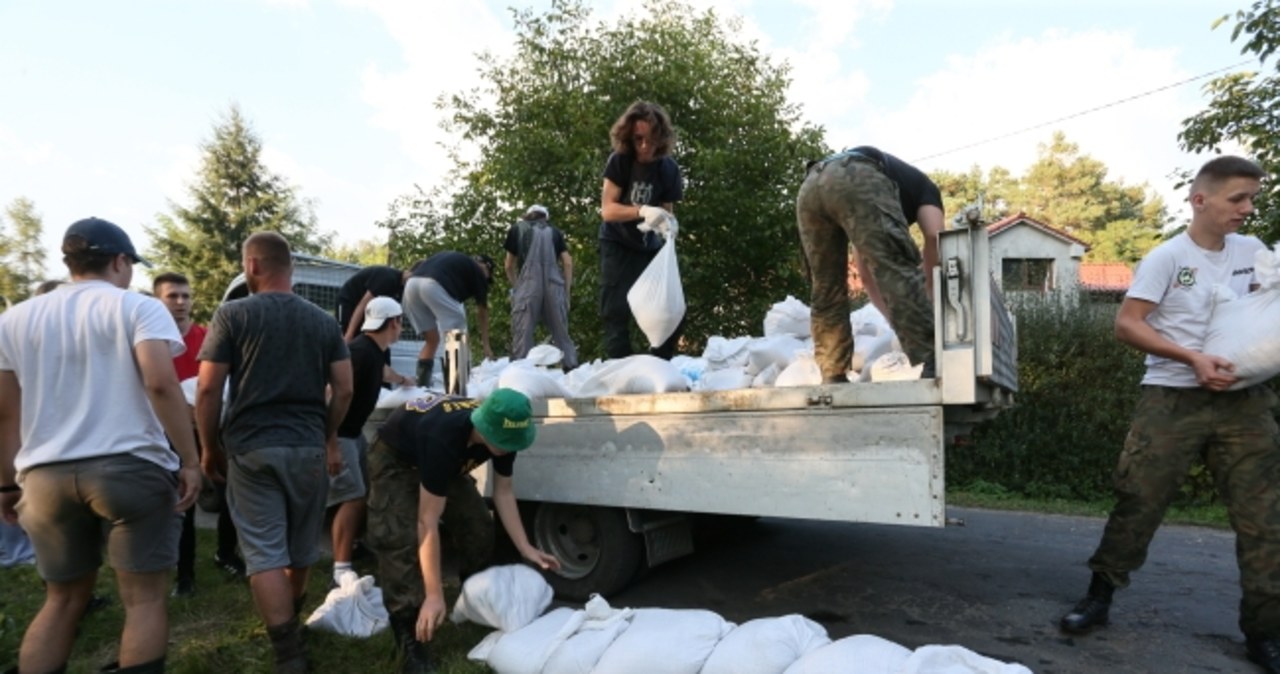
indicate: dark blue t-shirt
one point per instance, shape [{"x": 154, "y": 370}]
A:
[
  {"x": 459, "y": 274},
  {"x": 653, "y": 184}
]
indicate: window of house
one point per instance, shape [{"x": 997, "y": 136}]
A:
[{"x": 1027, "y": 274}]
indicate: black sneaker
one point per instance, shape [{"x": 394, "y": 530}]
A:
[
  {"x": 230, "y": 564},
  {"x": 1264, "y": 652},
  {"x": 185, "y": 587}
]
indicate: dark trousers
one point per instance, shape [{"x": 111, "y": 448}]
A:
[
  {"x": 620, "y": 267},
  {"x": 227, "y": 539}
]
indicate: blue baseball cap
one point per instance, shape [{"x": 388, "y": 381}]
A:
[{"x": 104, "y": 237}]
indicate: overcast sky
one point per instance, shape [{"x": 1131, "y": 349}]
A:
[{"x": 106, "y": 103}]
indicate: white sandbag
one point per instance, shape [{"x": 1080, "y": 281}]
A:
[
  {"x": 779, "y": 351},
  {"x": 894, "y": 366},
  {"x": 766, "y": 646},
  {"x": 398, "y": 396},
  {"x": 728, "y": 379},
  {"x": 534, "y": 382},
  {"x": 504, "y": 597},
  {"x": 483, "y": 379},
  {"x": 525, "y": 650},
  {"x": 692, "y": 368},
  {"x": 352, "y": 609},
  {"x": 574, "y": 379},
  {"x": 634, "y": 374},
  {"x": 545, "y": 355},
  {"x": 956, "y": 660},
  {"x": 868, "y": 321},
  {"x": 600, "y": 626},
  {"x": 664, "y": 641},
  {"x": 766, "y": 377},
  {"x": 1246, "y": 331},
  {"x": 788, "y": 317},
  {"x": 724, "y": 353},
  {"x": 861, "y": 653},
  {"x": 657, "y": 297},
  {"x": 867, "y": 348},
  {"x": 803, "y": 371}
]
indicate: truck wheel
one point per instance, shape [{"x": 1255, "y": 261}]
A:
[{"x": 598, "y": 553}]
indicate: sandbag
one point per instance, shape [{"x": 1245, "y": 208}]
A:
[
  {"x": 545, "y": 355},
  {"x": 724, "y": 353},
  {"x": 525, "y": 650},
  {"x": 803, "y": 371},
  {"x": 600, "y": 626},
  {"x": 352, "y": 609},
  {"x": 766, "y": 646},
  {"x": 766, "y": 377},
  {"x": 867, "y": 348},
  {"x": 868, "y": 321},
  {"x": 503, "y": 597},
  {"x": 1246, "y": 331},
  {"x": 860, "y": 654},
  {"x": 657, "y": 297},
  {"x": 634, "y": 374},
  {"x": 534, "y": 382},
  {"x": 779, "y": 351},
  {"x": 664, "y": 641},
  {"x": 727, "y": 379},
  {"x": 788, "y": 317},
  {"x": 956, "y": 660},
  {"x": 893, "y": 366}
]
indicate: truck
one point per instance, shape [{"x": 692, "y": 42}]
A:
[{"x": 611, "y": 484}]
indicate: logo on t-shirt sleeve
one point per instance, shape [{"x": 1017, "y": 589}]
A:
[{"x": 1186, "y": 277}]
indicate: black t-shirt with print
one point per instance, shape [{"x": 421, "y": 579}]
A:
[
  {"x": 433, "y": 433},
  {"x": 653, "y": 184}
]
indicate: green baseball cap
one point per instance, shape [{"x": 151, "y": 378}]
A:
[{"x": 505, "y": 419}]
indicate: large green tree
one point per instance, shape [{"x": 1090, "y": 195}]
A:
[
  {"x": 541, "y": 122},
  {"x": 22, "y": 253},
  {"x": 1245, "y": 108},
  {"x": 233, "y": 196}
]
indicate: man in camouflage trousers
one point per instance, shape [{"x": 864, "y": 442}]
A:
[
  {"x": 421, "y": 460},
  {"x": 869, "y": 198},
  {"x": 1187, "y": 410}
]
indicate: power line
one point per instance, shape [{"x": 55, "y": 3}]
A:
[{"x": 1082, "y": 113}]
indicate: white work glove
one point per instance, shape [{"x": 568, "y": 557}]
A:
[{"x": 655, "y": 219}]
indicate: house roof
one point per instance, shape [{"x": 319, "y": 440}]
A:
[
  {"x": 1021, "y": 218},
  {"x": 1112, "y": 276}
]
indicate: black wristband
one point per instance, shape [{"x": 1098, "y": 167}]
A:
[{"x": 9, "y": 488}]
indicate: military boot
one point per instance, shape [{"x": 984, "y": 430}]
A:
[
  {"x": 424, "y": 371},
  {"x": 1093, "y": 610},
  {"x": 413, "y": 653},
  {"x": 1264, "y": 652}
]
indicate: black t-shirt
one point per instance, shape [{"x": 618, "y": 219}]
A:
[
  {"x": 433, "y": 433},
  {"x": 367, "y": 362},
  {"x": 652, "y": 184},
  {"x": 521, "y": 235},
  {"x": 459, "y": 274},
  {"x": 377, "y": 280},
  {"x": 915, "y": 189}
]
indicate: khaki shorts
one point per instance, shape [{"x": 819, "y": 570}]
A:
[{"x": 66, "y": 508}]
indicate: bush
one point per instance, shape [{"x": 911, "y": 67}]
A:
[{"x": 1078, "y": 386}]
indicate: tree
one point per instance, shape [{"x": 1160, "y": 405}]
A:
[
  {"x": 542, "y": 119},
  {"x": 234, "y": 196},
  {"x": 364, "y": 252},
  {"x": 22, "y": 254},
  {"x": 1243, "y": 108}
]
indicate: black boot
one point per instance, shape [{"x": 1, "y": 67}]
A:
[
  {"x": 1093, "y": 610},
  {"x": 413, "y": 653},
  {"x": 286, "y": 641},
  {"x": 424, "y": 371},
  {"x": 1264, "y": 652}
]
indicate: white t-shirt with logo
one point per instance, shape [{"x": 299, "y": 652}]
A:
[
  {"x": 82, "y": 393},
  {"x": 1179, "y": 277}
]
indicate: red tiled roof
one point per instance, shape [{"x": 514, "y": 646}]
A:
[
  {"x": 1115, "y": 276},
  {"x": 1021, "y": 217}
]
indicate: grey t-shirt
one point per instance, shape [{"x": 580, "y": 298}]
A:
[{"x": 279, "y": 348}]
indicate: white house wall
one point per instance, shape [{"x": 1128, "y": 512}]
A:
[{"x": 1025, "y": 242}]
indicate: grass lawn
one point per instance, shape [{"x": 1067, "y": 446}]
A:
[{"x": 217, "y": 631}]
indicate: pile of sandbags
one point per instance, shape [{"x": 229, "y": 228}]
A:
[{"x": 600, "y": 639}]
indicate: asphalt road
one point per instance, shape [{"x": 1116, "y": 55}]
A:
[{"x": 996, "y": 585}]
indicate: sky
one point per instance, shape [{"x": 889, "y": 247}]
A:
[{"x": 105, "y": 104}]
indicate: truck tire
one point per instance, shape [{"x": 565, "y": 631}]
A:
[{"x": 598, "y": 552}]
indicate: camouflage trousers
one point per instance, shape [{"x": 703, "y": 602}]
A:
[
  {"x": 467, "y": 528},
  {"x": 847, "y": 199},
  {"x": 1237, "y": 436}
]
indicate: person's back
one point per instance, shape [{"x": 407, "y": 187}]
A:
[{"x": 541, "y": 272}]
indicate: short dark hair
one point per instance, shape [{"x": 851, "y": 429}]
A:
[
  {"x": 81, "y": 259},
  {"x": 664, "y": 135},
  {"x": 488, "y": 263},
  {"x": 1223, "y": 168},
  {"x": 169, "y": 277}
]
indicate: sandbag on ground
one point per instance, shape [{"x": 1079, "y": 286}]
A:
[
  {"x": 956, "y": 660},
  {"x": 766, "y": 646},
  {"x": 504, "y": 597},
  {"x": 860, "y": 654},
  {"x": 664, "y": 641}
]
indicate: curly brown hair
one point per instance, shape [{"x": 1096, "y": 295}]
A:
[{"x": 664, "y": 135}]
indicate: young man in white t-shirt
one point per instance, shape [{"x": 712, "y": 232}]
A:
[
  {"x": 1185, "y": 411},
  {"x": 87, "y": 395}
]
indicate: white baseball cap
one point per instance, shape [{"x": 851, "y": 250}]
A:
[
  {"x": 538, "y": 208},
  {"x": 377, "y": 311}
]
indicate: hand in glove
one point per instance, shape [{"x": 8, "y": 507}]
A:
[{"x": 655, "y": 219}]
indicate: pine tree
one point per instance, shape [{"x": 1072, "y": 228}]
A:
[
  {"x": 234, "y": 195},
  {"x": 22, "y": 253}
]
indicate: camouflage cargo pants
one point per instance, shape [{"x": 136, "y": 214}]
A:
[
  {"x": 467, "y": 528},
  {"x": 1237, "y": 435},
  {"x": 846, "y": 199}
]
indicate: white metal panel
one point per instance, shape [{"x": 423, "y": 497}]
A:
[{"x": 881, "y": 465}]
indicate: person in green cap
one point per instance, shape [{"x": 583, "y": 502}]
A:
[{"x": 422, "y": 459}]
